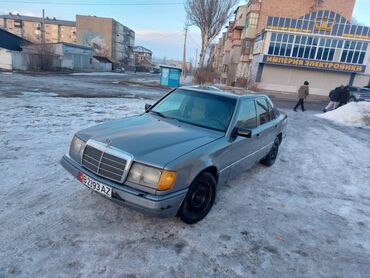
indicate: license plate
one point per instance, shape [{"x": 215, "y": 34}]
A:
[{"x": 95, "y": 185}]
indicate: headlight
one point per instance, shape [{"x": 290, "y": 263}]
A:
[
  {"x": 76, "y": 149},
  {"x": 151, "y": 177}
]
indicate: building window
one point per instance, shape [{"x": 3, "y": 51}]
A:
[
  {"x": 17, "y": 24},
  {"x": 354, "y": 52},
  {"x": 251, "y": 21},
  {"x": 316, "y": 48}
]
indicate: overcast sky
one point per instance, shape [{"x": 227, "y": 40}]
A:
[{"x": 158, "y": 27}]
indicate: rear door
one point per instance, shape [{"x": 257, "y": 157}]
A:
[{"x": 267, "y": 126}]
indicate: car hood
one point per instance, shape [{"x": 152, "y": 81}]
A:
[{"x": 150, "y": 138}]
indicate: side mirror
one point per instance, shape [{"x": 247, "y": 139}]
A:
[
  {"x": 147, "y": 106},
  {"x": 244, "y": 132},
  {"x": 241, "y": 132}
]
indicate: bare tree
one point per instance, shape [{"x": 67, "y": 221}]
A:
[{"x": 210, "y": 16}]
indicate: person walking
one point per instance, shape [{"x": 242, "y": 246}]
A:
[
  {"x": 344, "y": 97},
  {"x": 334, "y": 97},
  {"x": 303, "y": 92}
]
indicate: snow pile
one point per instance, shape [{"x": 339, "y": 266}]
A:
[{"x": 353, "y": 114}]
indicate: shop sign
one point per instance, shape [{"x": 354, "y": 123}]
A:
[{"x": 306, "y": 63}]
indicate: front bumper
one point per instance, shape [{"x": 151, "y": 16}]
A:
[{"x": 158, "y": 206}]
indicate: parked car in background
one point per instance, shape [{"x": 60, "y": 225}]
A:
[
  {"x": 155, "y": 70},
  {"x": 120, "y": 69},
  {"x": 359, "y": 94},
  {"x": 169, "y": 160}
]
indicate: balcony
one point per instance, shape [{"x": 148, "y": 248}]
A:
[
  {"x": 226, "y": 58},
  {"x": 240, "y": 17},
  {"x": 249, "y": 33},
  {"x": 236, "y": 43}
]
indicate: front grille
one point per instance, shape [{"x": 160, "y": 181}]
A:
[{"x": 104, "y": 164}]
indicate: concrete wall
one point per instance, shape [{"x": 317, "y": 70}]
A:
[
  {"x": 102, "y": 66},
  {"x": 6, "y": 59},
  {"x": 288, "y": 79},
  {"x": 95, "y": 32},
  {"x": 13, "y": 60},
  {"x": 20, "y": 60}
]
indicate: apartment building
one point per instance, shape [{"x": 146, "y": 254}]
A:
[
  {"x": 285, "y": 42},
  {"x": 143, "y": 58},
  {"x": 108, "y": 38},
  {"x": 30, "y": 28}
]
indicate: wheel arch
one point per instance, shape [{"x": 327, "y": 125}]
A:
[
  {"x": 212, "y": 170},
  {"x": 280, "y": 137}
]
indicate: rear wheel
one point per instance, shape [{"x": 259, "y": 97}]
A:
[
  {"x": 199, "y": 199},
  {"x": 270, "y": 158}
]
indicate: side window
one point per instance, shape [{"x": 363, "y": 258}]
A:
[
  {"x": 272, "y": 111},
  {"x": 247, "y": 118},
  {"x": 263, "y": 112}
]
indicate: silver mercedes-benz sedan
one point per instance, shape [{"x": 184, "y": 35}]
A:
[{"x": 170, "y": 160}]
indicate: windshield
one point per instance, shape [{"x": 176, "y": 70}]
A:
[{"x": 197, "y": 108}]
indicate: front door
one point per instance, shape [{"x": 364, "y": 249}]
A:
[{"x": 244, "y": 150}]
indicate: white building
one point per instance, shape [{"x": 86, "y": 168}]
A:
[{"x": 321, "y": 47}]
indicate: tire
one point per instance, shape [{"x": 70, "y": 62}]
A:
[
  {"x": 270, "y": 158},
  {"x": 352, "y": 99},
  {"x": 199, "y": 199}
]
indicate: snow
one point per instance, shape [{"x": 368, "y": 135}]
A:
[
  {"x": 355, "y": 114},
  {"x": 98, "y": 73},
  {"x": 38, "y": 93},
  {"x": 307, "y": 216}
]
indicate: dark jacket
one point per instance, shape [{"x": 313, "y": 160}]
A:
[
  {"x": 335, "y": 94},
  {"x": 344, "y": 95}
]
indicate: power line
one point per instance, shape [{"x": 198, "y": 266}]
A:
[
  {"x": 193, "y": 41},
  {"x": 160, "y": 38},
  {"x": 95, "y": 4}
]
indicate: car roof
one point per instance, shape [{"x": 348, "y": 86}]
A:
[{"x": 215, "y": 91}]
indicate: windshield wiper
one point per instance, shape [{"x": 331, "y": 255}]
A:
[{"x": 158, "y": 113}]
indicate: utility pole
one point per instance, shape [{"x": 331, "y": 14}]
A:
[
  {"x": 183, "y": 75},
  {"x": 43, "y": 28}
]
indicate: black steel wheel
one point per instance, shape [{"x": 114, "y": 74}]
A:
[
  {"x": 199, "y": 199},
  {"x": 270, "y": 159}
]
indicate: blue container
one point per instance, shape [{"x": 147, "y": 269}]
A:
[{"x": 170, "y": 76}]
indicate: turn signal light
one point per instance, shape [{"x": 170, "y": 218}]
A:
[{"x": 166, "y": 180}]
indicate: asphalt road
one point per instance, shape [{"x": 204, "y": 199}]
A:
[
  {"x": 92, "y": 86},
  {"x": 289, "y": 104}
]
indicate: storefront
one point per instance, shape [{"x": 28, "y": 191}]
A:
[{"x": 322, "y": 47}]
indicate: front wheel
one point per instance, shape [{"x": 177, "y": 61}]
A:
[
  {"x": 270, "y": 158},
  {"x": 199, "y": 199}
]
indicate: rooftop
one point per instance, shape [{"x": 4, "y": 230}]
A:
[
  {"x": 39, "y": 19},
  {"x": 142, "y": 49}
]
